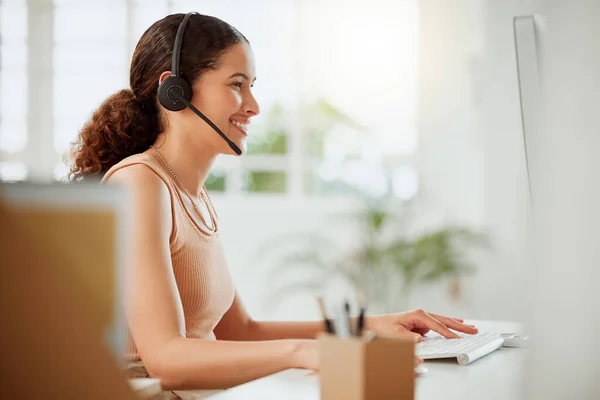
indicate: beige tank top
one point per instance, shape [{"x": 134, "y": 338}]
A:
[{"x": 199, "y": 264}]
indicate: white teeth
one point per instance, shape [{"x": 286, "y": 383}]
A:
[{"x": 243, "y": 126}]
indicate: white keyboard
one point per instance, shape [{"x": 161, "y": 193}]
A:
[{"x": 466, "y": 349}]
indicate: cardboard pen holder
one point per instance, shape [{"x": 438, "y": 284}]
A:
[{"x": 359, "y": 368}]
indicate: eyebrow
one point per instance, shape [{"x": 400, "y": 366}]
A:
[{"x": 243, "y": 75}]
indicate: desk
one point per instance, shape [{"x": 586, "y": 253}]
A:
[{"x": 496, "y": 376}]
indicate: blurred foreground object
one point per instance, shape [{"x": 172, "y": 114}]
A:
[
  {"x": 59, "y": 259},
  {"x": 51, "y": 347}
]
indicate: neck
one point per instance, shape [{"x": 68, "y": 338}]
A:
[{"x": 191, "y": 167}]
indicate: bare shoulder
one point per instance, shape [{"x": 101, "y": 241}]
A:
[
  {"x": 150, "y": 195},
  {"x": 142, "y": 180}
]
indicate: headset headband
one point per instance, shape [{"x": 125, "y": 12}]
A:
[{"x": 178, "y": 42}]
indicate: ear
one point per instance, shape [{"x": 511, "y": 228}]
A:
[{"x": 164, "y": 76}]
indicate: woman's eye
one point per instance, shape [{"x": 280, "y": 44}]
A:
[{"x": 238, "y": 84}]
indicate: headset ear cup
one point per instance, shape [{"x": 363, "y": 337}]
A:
[{"x": 170, "y": 86}]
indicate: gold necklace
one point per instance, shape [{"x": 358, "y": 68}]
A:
[{"x": 164, "y": 161}]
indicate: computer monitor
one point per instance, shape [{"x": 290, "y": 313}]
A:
[
  {"x": 526, "y": 55},
  {"x": 85, "y": 227},
  {"x": 559, "y": 84}
]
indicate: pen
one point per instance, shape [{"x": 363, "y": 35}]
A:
[
  {"x": 328, "y": 324},
  {"x": 360, "y": 324},
  {"x": 349, "y": 322}
]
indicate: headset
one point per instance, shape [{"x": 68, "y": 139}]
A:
[{"x": 175, "y": 93}]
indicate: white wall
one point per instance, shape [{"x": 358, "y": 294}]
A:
[
  {"x": 451, "y": 148},
  {"x": 248, "y": 225}
]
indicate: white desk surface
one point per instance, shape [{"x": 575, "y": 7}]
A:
[{"x": 498, "y": 375}]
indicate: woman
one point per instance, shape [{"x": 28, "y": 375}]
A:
[{"x": 187, "y": 324}]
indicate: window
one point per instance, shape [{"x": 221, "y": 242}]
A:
[
  {"x": 358, "y": 77},
  {"x": 90, "y": 63},
  {"x": 13, "y": 89},
  {"x": 336, "y": 85}
]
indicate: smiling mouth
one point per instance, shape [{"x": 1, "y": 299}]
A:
[{"x": 243, "y": 128}]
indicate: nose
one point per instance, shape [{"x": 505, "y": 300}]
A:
[{"x": 251, "y": 107}]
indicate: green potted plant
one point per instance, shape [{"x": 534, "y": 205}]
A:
[{"x": 387, "y": 262}]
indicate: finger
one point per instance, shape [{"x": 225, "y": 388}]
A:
[
  {"x": 418, "y": 338},
  {"x": 453, "y": 324},
  {"x": 432, "y": 323},
  {"x": 442, "y": 318},
  {"x": 450, "y": 323},
  {"x": 402, "y": 333},
  {"x": 421, "y": 331},
  {"x": 418, "y": 361},
  {"x": 414, "y": 336}
]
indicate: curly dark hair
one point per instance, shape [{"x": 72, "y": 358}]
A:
[{"x": 128, "y": 122}]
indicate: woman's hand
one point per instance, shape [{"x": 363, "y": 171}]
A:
[
  {"x": 306, "y": 354},
  {"x": 416, "y": 324}
]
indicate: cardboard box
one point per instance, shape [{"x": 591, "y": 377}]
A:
[{"x": 366, "y": 368}]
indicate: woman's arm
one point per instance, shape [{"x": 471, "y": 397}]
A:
[
  {"x": 155, "y": 314},
  {"x": 237, "y": 324},
  {"x": 205, "y": 364}
]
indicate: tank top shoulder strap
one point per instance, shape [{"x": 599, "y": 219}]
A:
[
  {"x": 156, "y": 167},
  {"x": 142, "y": 158}
]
